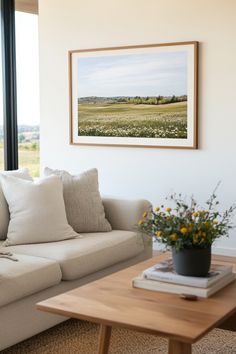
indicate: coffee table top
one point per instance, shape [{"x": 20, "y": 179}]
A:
[{"x": 112, "y": 301}]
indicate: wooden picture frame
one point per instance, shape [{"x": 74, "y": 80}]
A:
[{"x": 135, "y": 96}]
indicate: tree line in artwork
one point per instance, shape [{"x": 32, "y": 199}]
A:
[
  {"x": 154, "y": 100},
  {"x": 150, "y": 100}
]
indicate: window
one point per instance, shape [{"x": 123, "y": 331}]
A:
[
  {"x": 27, "y": 70},
  {"x": 9, "y": 84},
  {"x": 28, "y": 91},
  {"x": 1, "y": 115}
]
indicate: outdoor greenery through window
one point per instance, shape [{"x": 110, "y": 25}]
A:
[{"x": 27, "y": 90}]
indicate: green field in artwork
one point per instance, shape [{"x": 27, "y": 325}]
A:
[{"x": 121, "y": 119}]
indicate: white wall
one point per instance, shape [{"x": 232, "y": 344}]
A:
[{"x": 139, "y": 172}]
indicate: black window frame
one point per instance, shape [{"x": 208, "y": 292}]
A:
[{"x": 9, "y": 84}]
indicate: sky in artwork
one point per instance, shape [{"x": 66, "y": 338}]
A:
[{"x": 145, "y": 74}]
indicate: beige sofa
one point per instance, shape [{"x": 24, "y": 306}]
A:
[{"x": 46, "y": 269}]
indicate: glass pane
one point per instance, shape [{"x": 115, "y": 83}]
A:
[
  {"x": 27, "y": 91},
  {"x": 1, "y": 112}
]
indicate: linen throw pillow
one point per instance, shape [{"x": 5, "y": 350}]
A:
[
  {"x": 4, "y": 211},
  {"x": 37, "y": 211},
  {"x": 84, "y": 208}
]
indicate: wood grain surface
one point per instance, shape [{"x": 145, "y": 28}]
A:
[{"x": 112, "y": 301}]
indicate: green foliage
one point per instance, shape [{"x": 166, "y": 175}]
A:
[
  {"x": 151, "y": 100},
  {"x": 21, "y": 138},
  {"x": 186, "y": 226},
  {"x": 34, "y": 146},
  {"x": 28, "y": 157},
  {"x": 28, "y": 139}
]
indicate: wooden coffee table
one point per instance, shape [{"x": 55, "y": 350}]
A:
[{"x": 112, "y": 302}]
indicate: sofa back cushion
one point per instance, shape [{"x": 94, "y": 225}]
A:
[
  {"x": 4, "y": 211},
  {"x": 84, "y": 208},
  {"x": 37, "y": 211}
]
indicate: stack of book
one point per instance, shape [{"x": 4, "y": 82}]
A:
[{"x": 162, "y": 277}]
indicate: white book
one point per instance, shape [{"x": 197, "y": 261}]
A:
[
  {"x": 164, "y": 272},
  {"x": 141, "y": 282}
]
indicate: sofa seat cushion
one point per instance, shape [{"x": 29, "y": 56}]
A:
[
  {"x": 25, "y": 277},
  {"x": 82, "y": 256}
]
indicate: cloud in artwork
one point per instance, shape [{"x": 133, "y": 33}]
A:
[{"x": 146, "y": 74}]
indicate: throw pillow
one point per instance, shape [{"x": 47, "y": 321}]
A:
[
  {"x": 4, "y": 211},
  {"x": 37, "y": 211},
  {"x": 84, "y": 208}
]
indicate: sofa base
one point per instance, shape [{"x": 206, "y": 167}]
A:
[{"x": 20, "y": 320}]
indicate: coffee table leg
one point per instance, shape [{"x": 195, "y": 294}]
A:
[
  {"x": 104, "y": 339},
  {"x": 176, "y": 347}
]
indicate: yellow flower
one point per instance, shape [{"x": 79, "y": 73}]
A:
[
  {"x": 215, "y": 222},
  {"x": 202, "y": 212},
  {"x": 140, "y": 222},
  {"x": 168, "y": 218},
  {"x": 158, "y": 233},
  {"x": 157, "y": 209},
  {"x": 195, "y": 214},
  {"x": 199, "y": 233},
  {"x": 195, "y": 239},
  {"x": 168, "y": 210},
  {"x": 173, "y": 237},
  {"x": 190, "y": 227},
  {"x": 145, "y": 214},
  {"x": 206, "y": 223},
  {"x": 184, "y": 230},
  {"x": 203, "y": 235}
]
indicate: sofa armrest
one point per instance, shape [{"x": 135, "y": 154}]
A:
[{"x": 125, "y": 214}]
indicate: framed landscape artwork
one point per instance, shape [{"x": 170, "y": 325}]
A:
[{"x": 135, "y": 96}]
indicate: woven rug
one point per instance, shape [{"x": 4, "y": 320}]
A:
[{"x": 79, "y": 337}]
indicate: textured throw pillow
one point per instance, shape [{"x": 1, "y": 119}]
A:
[
  {"x": 37, "y": 211},
  {"x": 84, "y": 208},
  {"x": 4, "y": 211}
]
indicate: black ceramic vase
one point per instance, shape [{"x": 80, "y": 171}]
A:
[{"x": 192, "y": 262}]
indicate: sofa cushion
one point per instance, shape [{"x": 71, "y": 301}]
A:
[
  {"x": 84, "y": 208},
  {"x": 4, "y": 212},
  {"x": 83, "y": 256},
  {"x": 25, "y": 277},
  {"x": 37, "y": 210}
]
